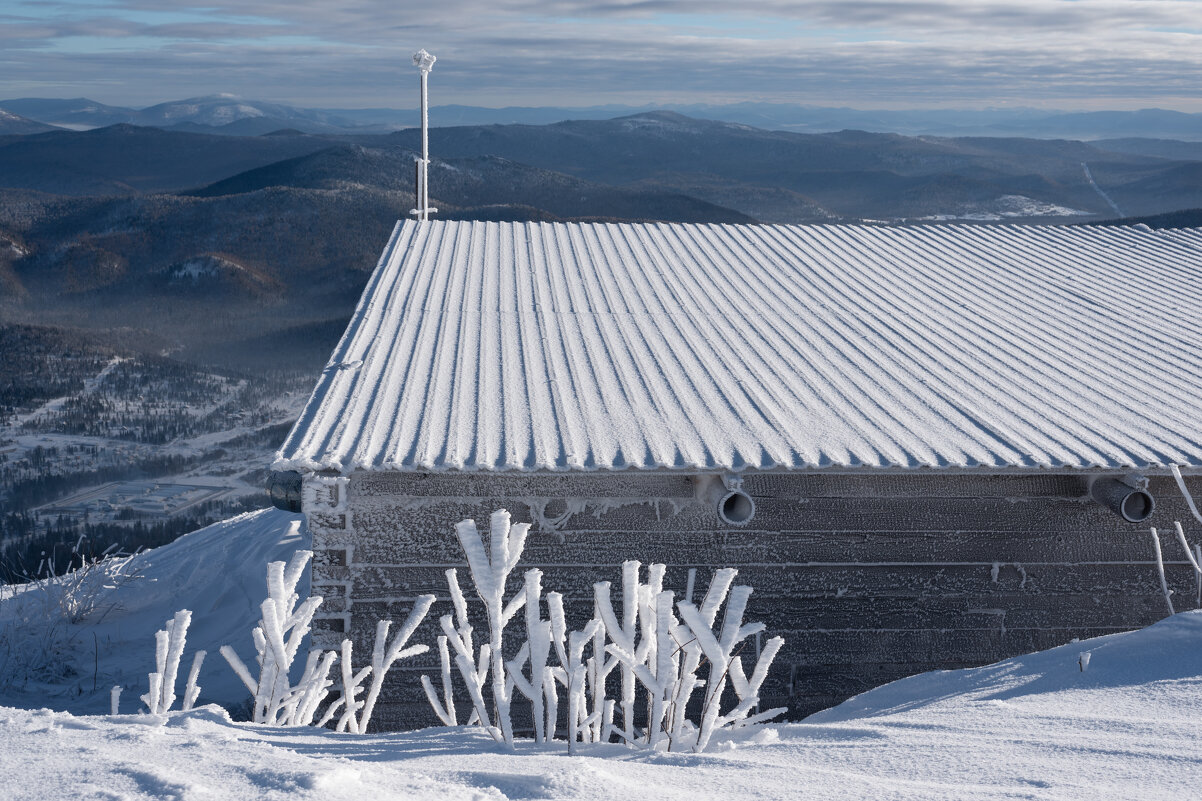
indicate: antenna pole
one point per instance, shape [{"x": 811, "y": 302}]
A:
[{"x": 424, "y": 62}]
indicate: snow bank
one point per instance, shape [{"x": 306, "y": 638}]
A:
[
  {"x": 1128, "y": 668},
  {"x": 1033, "y": 727},
  {"x": 217, "y": 572},
  {"x": 1038, "y": 726}
]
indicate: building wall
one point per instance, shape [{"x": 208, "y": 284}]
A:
[{"x": 869, "y": 578}]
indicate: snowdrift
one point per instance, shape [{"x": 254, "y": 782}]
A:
[
  {"x": 1035, "y": 727},
  {"x": 218, "y": 572},
  {"x": 1163, "y": 658},
  {"x": 1121, "y": 722}
]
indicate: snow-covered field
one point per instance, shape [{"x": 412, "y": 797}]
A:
[{"x": 1038, "y": 727}]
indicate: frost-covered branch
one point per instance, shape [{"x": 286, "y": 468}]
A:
[
  {"x": 169, "y": 649},
  {"x": 357, "y": 714},
  {"x": 654, "y": 648},
  {"x": 1164, "y": 584},
  {"x": 1189, "y": 499},
  {"x": 192, "y": 689},
  {"x": 281, "y": 630}
]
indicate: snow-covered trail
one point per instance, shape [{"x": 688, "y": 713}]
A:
[
  {"x": 56, "y": 404},
  {"x": 1098, "y": 189},
  {"x": 1035, "y": 727}
]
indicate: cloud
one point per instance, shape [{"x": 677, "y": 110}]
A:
[{"x": 1070, "y": 53}]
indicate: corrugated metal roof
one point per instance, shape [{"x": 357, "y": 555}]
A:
[{"x": 552, "y": 346}]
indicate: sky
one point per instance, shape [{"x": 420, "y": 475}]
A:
[{"x": 1065, "y": 54}]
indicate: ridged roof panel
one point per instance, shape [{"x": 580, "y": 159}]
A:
[{"x": 557, "y": 346}]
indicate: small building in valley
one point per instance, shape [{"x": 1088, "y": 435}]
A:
[{"x": 923, "y": 446}]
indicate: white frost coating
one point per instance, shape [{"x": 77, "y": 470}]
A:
[
  {"x": 951, "y": 346},
  {"x": 277, "y": 638},
  {"x": 115, "y": 699},
  {"x": 327, "y": 494},
  {"x": 653, "y": 647},
  {"x": 169, "y": 649},
  {"x": 1164, "y": 585}
]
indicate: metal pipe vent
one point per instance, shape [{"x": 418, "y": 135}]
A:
[
  {"x": 725, "y": 495},
  {"x": 1126, "y": 496},
  {"x": 284, "y": 487}
]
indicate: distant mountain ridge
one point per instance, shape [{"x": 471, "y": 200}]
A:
[
  {"x": 468, "y": 184},
  {"x": 620, "y": 164},
  {"x": 230, "y": 114},
  {"x": 221, "y": 113},
  {"x": 247, "y": 247},
  {"x": 15, "y": 124}
]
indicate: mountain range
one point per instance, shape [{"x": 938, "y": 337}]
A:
[
  {"x": 252, "y": 250},
  {"x": 233, "y": 115}
]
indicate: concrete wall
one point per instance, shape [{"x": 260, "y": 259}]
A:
[{"x": 868, "y": 577}]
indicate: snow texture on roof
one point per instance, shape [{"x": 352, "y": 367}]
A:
[{"x": 554, "y": 346}]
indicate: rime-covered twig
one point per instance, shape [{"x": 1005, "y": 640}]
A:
[
  {"x": 1189, "y": 499},
  {"x": 1198, "y": 576},
  {"x": 457, "y": 631},
  {"x": 312, "y": 689},
  {"x": 623, "y": 634},
  {"x": 169, "y": 649},
  {"x": 192, "y": 689},
  {"x": 444, "y": 709},
  {"x": 1194, "y": 562},
  {"x": 1164, "y": 584},
  {"x": 385, "y": 653},
  {"x": 490, "y": 568},
  {"x": 535, "y": 651},
  {"x": 352, "y": 685}
]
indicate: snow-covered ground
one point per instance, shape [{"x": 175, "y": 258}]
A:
[
  {"x": 218, "y": 572},
  {"x": 1037, "y": 727}
]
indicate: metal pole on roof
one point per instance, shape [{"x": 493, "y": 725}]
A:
[{"x": 424, "y": 62}]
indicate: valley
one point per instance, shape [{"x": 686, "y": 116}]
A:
[{"x": 109, "y": 448}]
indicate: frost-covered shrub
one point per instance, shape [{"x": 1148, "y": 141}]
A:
[
  {"x": 39, "y": 625},
  {"x": 277, "y": 639},
  {"x": 169, "y": 649},
  {"x": 668, "y": 647}
]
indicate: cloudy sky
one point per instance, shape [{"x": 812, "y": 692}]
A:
[{"x": 1073, "y": 54}]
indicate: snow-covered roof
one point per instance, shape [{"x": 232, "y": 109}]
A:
[{"x": 557, "y": 346}]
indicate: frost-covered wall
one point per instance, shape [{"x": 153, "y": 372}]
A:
[{"x": 868, "y": 577}]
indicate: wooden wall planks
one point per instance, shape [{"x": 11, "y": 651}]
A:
[{"x": 868, "y": 577}]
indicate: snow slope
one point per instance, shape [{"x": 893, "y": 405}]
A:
[
  {"x": 218, "y": 572},
  {"x": 1033, "y": 727}
]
